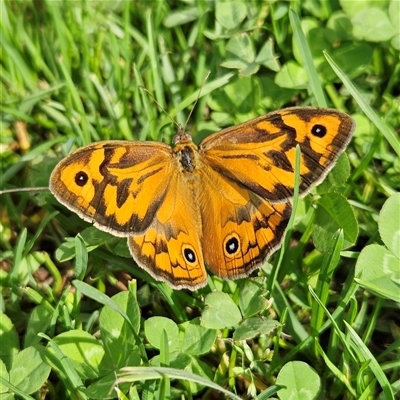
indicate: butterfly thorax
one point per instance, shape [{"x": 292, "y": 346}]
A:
[
  {"x": 185, "y": 150},
  {"x": 187, "y": 154}
]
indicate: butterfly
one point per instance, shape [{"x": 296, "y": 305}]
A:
[{"x": 223, "y": 204}]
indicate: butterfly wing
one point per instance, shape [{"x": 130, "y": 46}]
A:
[
  {"x": 170, "y": 248},
  {"x": 249, "y": 181},
  {"x": 135, "y": 189},
  {"x": 117, "y": 185},
  {"x": 240, "y": 229},
  {"x": 260, "y": 154}
]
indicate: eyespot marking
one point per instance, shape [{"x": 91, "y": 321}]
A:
[
  {"x": 319, "y": 130},
  {"x": 189, "y": 254},
  {"x": 81, "y": 178},
  {"x": 232, "y": 245}
]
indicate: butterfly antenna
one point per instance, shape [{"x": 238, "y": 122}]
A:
[
  {"x": 197, "y": 98},
  {"x": 159, "y": 105},
  {"x": 28, "y": 189}
]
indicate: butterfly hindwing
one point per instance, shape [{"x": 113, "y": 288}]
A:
[
  {"x": 170, "y": 248},
  {"x": 240, "y": 230}
]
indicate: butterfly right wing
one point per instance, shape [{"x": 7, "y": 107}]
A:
[
  {"x": 249, "y": 180},
  {"x": 260, "y": 154}
]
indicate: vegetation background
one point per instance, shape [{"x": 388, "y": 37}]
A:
[{"x": 324, "y": 325}]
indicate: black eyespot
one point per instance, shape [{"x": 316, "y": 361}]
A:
[
  {"x": 81, "y": 178},
  {"x": 318, "y": 131},
  {"x": 190, "y": 255},
  {"x": 232, "y": 245}
]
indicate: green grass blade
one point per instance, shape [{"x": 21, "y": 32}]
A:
[
  {"x": 102, "y": 298},
  {"x": 68, "y": 368},
  {"x": 330, "y": 262},
  {"x": 135, "y": 374},
  {"x": 374, "y": 366},
  {"x": 307, "y": 59},
  {"x": 387, "y": 132},
  {"x": 336, "y": 371},
  {"x": 335, "y": 325},
  {"x": 4, "y": 383},
  {"x": 206, "y": 89}
]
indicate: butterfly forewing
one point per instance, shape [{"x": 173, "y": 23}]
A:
[
  {"x": 260, "y": 154},
  {"x": 118, "y": 185}
]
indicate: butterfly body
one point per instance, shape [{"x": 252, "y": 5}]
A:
[{"x": 224, "y": 203}]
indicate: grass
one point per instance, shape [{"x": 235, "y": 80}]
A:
[{"x": 80, "y": 321}]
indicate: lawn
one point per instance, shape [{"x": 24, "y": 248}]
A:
[{"x": 79, "y": 318}]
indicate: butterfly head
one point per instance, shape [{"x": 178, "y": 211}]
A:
[{"x": 182, "y": 136}]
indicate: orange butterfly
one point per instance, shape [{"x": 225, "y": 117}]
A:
[{"x": 223, "y": 204}]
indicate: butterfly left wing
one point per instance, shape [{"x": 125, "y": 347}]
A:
[
  {"x": 135, "y": 190},
  {"x": 260, "y": 154},
  {"x": 170, "y": 249},
  {"x": 117, "y": 185}
]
